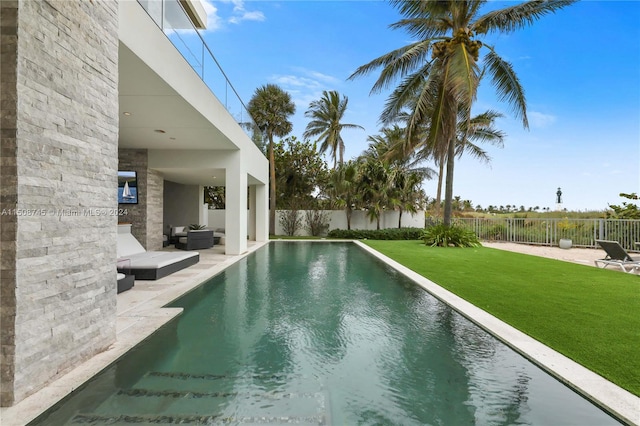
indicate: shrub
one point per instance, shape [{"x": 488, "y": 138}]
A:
[
  {"x": 446, "y": 236},
  {"x": 290, "y": 221},
  {"x": 317, "y": 222},
  {"x": 381, "y": 234}
]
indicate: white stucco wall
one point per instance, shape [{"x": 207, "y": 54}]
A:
[{"x": 338, "y": 220}]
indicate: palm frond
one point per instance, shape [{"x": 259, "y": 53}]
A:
[
  {"x": 397, "y": 63},
  {"x": 507, "y": 85},
  {"x": 516, "y": 17}
]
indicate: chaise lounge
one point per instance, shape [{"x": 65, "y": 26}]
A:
[
  {"x": 149, "y": 265},
  {"x": 617, "y": 256}
]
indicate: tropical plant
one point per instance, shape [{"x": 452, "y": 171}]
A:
[
  {"x": 326, "y": 115},
  {"x": 195, "y": 226},
  {"x": 450, "y": 236},
  {"x": 342, "y": 188},
  {"x": 626, "y": 210},
  {"x": 271, "y": 108},
  {"x": 447, "y": 84},
  {"x": 375, "y": 187}
]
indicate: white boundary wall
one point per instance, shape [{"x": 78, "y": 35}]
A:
[{"x": 338, "y": 220}]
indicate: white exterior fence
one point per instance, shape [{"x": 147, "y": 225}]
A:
[{"x": 582, "y": 232}]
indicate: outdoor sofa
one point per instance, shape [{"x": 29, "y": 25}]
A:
[{"x": 196, "y": 239}]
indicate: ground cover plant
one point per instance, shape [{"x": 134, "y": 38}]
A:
[{"x": 590, "y": 315}]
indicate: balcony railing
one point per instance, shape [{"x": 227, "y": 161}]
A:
[{"x": 172, "y": 19}]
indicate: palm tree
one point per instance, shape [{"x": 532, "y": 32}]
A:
[
  {"x": 479, "y": 128},
  {"x": 407, "y": 194},
  {"x": 375, "y": 187},
  {"x": 342, "y": 188},
  {"x": 326, "y": 114},
  {"x": 271, "y": 108},
  {"x": 447, "y": 82}
]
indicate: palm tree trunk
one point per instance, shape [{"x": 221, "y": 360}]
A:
[
  {"x": 439, "y": 191},
  {"x": 272, "y": 188},
  {"x": 349, "y": 211},
  {"x": 448, "y": 191},
  {"x": 400, "y": 219}
]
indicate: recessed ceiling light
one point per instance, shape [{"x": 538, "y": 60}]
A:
[
  {"x": 126, "y": 113},
  {"x": 159, "y": 131}
]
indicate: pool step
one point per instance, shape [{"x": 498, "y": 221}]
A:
[
  {"x": 206, "y": 398},
  {"x": 199, "y": 420}
]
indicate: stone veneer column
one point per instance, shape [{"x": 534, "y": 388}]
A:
[
  {"x": 58, "y": 197},
  {"x": 146, "y": 217}
]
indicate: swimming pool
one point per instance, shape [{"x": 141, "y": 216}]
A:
[{"x": 321, "y": 333}]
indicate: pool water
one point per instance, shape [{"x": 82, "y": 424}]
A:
[{"x": 323, "y": 334}]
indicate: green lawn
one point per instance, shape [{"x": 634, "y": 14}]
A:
[{"x": 590, "y": 315}]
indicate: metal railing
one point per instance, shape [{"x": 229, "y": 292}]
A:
[
  {"x": 582, "y": 232},
  {"x": 171, "y": 18}
]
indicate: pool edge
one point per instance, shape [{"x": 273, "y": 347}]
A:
[{"x": 615, "y": 400}]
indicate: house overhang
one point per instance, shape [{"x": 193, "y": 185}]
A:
[{"x": 164, "y": 105}]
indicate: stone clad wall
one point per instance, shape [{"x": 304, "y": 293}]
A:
[
  {"x": 146, "y": 217},
  {"x": 66, "y": 206},
  {"x": 8, "y": 195}
]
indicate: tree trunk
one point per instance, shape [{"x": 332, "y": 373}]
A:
[
  {"x": 272, "y": 188},
  {"x": 439, "y": 191},
  {"x": 448, "y": 191},
  {"x": 348, "y": 211},
  {"x": 400, "y": 219}
]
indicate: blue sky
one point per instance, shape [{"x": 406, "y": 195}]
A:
[{"x": 580, "y": 69}]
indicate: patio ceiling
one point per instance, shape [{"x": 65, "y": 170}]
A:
[{"x": 154, "y": 116}]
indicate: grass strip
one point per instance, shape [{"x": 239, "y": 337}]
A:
[{"x": 588, "y": 314}]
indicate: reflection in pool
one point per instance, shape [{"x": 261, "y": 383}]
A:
[{"x": 321, "y": 333}]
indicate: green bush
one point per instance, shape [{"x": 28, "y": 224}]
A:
[
  {"x": 381, "y": 234},
  {"x": 446, "y": 236}
]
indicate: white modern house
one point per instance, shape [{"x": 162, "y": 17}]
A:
[{"x": 90, "y": 88}]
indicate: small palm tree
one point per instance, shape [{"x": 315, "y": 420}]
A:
[
  {"x": 342, "y": 188},
  {"x": 271, "y": 108},
  {"x": 326, "y": 115}
]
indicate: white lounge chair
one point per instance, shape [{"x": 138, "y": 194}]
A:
[
  {"x": 617, "y": 256},
  {"x": 149, "y": 265}
]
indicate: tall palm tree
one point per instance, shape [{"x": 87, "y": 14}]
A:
[
  {"x": 444, "y": 66},
  {"x": 271, "y": 108},
  {"x": 326, "y": 115}
]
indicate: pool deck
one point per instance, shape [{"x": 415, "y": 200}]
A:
[{"x": 140, "y": 314}]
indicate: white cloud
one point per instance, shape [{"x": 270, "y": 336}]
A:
[
  {"x": 214, "y": 22},
  {"x": 242, "y": 14},
  {"x": 305, "y": 86},
  {"x": 540, "y": 120}
]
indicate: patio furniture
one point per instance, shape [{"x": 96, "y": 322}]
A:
[
  {"x": 177, "y": 232},
  {"x": 617, "y": 256},
  {"x": 149, "y": 265},
  {"x": 196, "y": 239},
  {"x": 125, "y": 282}
]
